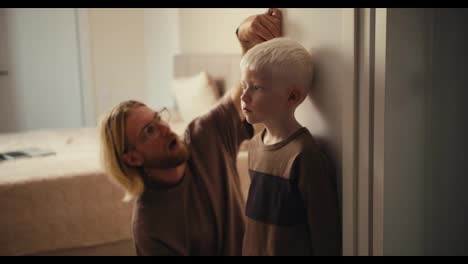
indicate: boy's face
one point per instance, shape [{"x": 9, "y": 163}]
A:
[{"x": 262, "y": 99}]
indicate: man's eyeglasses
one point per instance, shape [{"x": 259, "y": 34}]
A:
[{"x": 153, "y": 128}]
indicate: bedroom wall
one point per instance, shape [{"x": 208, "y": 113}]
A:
[
  {"x": 321, "y": 111},
  {"x": 118, "y": 58},
  {"x": 211, "y": 30},
  {"x": 132, "y": 55},
  {"x": 132, "y": 50},
  {"x": 42, "y": 60},
  {"x": 161, "y": 40}
]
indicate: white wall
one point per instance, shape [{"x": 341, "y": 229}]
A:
[
  {"x": 132, "y": 50},
  {"x": 42, "y": 89},
  {"x": 161, "y": 41},
  {"x": 118, "y": 56},
  {"x": 320, "y": 31},
  {"x": 212, "y": 30},
  {"x": 132, "y": 55}
]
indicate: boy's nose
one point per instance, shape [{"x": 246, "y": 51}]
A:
[{"x": 244, "y": 96}]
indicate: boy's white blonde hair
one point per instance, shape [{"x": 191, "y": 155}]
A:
[
  {"x": 284, "y": 59},
  {"x": 113, "y": 146}
]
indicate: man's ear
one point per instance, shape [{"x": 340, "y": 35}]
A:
[{"x": 133, "y": 159}]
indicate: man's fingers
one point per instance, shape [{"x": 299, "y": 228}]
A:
[
  {"x": 273, "y": 24},
  {"x": 268, "y": 25},
  {"x": 274, "y": 12},
  {"x": 262, "y": 31},
  {"x": 260, "y": 28}
]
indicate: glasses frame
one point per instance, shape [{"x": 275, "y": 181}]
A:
[{"x": 162, "y": 115}]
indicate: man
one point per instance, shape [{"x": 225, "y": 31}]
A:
[{"x": 188, "y": 193}]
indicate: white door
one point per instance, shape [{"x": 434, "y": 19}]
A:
[{"x": 42, "y": 88}]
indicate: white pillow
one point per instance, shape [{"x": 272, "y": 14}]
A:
[{"x": 195, "y": 95}]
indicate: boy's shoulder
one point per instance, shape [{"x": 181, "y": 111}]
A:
[
  {"x": 306, "y": 143},
  {"x": 255, "y": 142},
  {"x": 302, "y": 144}
]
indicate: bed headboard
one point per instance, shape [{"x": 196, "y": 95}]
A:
[{"x": 224, "y": 68}]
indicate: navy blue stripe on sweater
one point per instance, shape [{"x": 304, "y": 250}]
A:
[{"x": 275, "y": 200}]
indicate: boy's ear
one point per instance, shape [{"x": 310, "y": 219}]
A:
[
  {"x": 133, "y": 159},
  {"x": 294, "y": 97}
]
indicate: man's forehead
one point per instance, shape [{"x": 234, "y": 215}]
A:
[
  {"x": 141, "y": 113},
  {"x": 138, "y": 118}
]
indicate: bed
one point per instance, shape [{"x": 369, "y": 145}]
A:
[
  {"x": 60, "y": 202},
  {"x": 64, "y": 204}
]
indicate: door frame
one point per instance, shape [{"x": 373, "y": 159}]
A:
[
  {"x": 85, "y": 66},
  {"x": 363, "y": 131}
]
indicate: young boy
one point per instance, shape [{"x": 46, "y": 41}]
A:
[{"x": 292, "y": 205}]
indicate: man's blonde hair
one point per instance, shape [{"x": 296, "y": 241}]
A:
[
  {"x": 283, "y": 58},
  {"x": 113, "y": 145}
]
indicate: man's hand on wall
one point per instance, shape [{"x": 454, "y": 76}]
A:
[{"x": 259, "y": 28}]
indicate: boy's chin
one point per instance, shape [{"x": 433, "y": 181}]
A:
[{"x": 251, "y": 120}]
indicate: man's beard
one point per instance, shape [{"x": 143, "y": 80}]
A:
[{"x": 170, "y": 160}]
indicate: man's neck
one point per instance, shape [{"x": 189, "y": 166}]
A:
[
  {"x": 166, "y": 177},
  {"x": 280, "y": 129}
]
